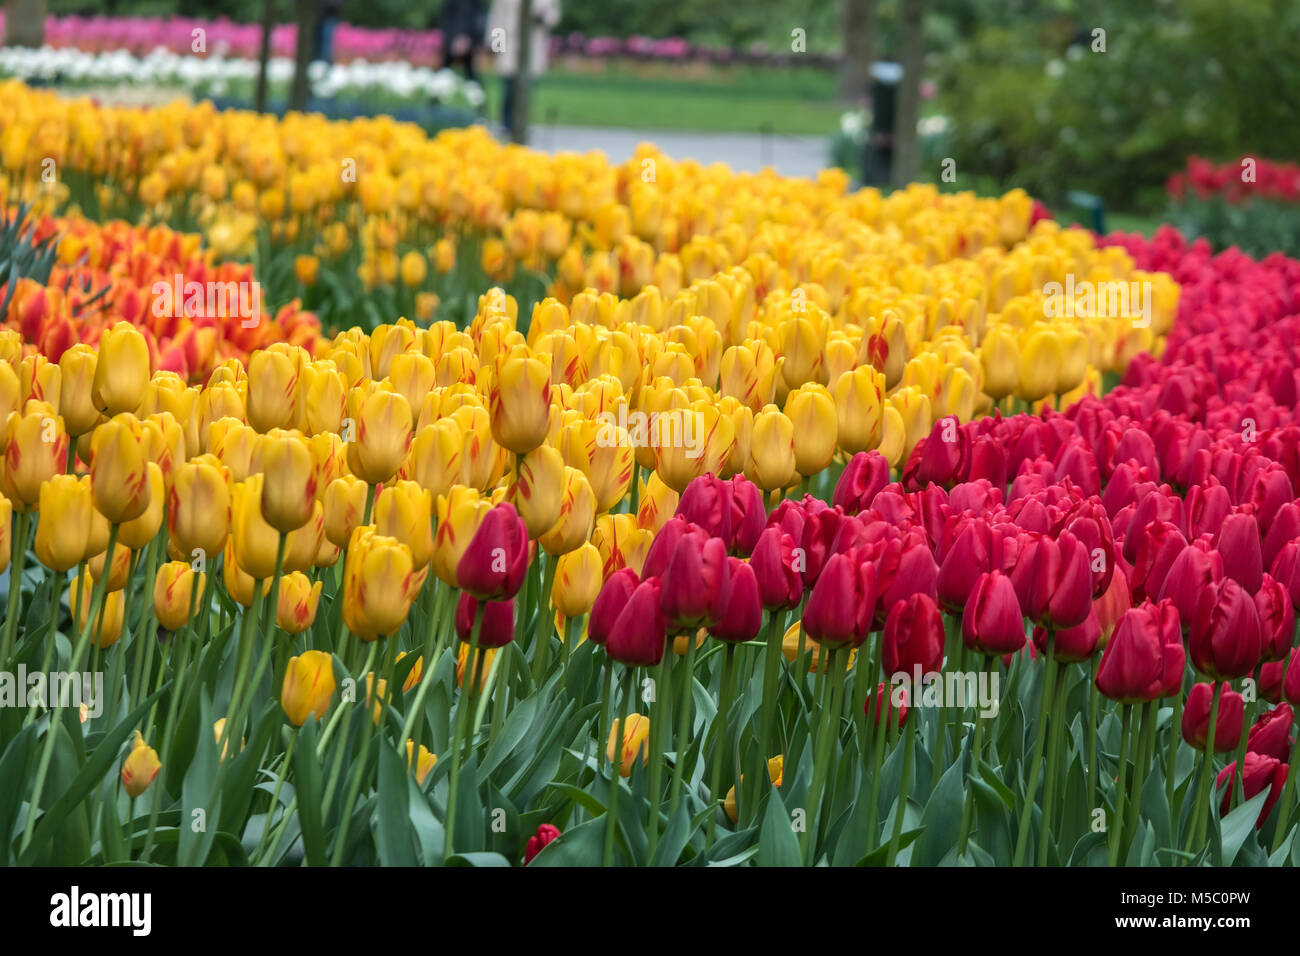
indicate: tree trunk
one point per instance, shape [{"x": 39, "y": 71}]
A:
[
  {"x": 907, "y": 146},
  {"x": 25, "y": 23},
  {"x": 264, "y": 54},
  {"x": 523, "y": 78},
  {"x": 303, "y": 54},
  {"x": 858, "y": 25}
]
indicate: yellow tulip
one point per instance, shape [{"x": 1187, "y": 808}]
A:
[
  {"x": 308, "y": 686},
  {"x": 141, "y": 767},
  {"x": 578, "y": 577},
  {"x": 63, "y": 534},
  {"x": 378, "y": 585},
  {"x": 624, "y": 747},
  {"x": 175, "y": 586},
  {"x": 296, "y": 606},
  {"x": 119, "y": 477},
  {"x": 121, "y": 370}
]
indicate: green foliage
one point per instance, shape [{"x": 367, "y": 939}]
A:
[{"x": 1257, "y": 226}]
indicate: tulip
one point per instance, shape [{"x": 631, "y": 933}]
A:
[
  {"x": 108, "y": 626},
  {"x": 1224, "y": 639},
  {"x": 695, "y": 582},
  {"x": 1194, "y": 570},
  {"x": 775, "y": 773},
  {"x": 1071, "y": 644},
  {"x": 634, "y": 740},
  {"x": 459, "y": 515},
  {"x": 710, "y": 503},
  {"x": 1271, "y": 734},
  {"x": 577, "y": 515},
  {"x": 383, "y": 437},
  {"x": 119, "y": 478},
  {"x": 463, "y": 659},
  {"x": 290, "y": 473},
  {"x": 345, "y": 505},
  {"x": 121, "y": 370},
  {"x": 423, "y": 763},
  {"x": 66, "y": 511},
  {"x": 609, "y": 604},
  {"x": 198, "y": 510},
  {"x": 296, "y": 606},
  {"x": 1239, "y": 544},
  {"x": 1053, "y": 581},
  {"x": 174, "y": 593},
  {"x": 546, "y": 833},
  {"x": 273, "y": 389},
  {"x": 992, "y": 623},
  {"x": 859, "y": 401},
  {"x": 498, "y": 628},
  {"x": 775, "y": 568},
  {"x": 884, "y": 701},
  {"x": 404, "y": 511},
  {"x": 1276, "y": 618},
  {"x": 865, "y": 476},
  {"x": 639, "y": 632},
  {"x": 1261, "y": 772},
  {"x": 141, "y": 766},
  {"x": 378, "y": 585},
  {"x": 256, "y": 543},
  {"x": 239, "y": 584},
  {"x": 520, "y": 402},
  {"x": 742, "y": 615},
  {"x": 1196, "y": 718},
  {"x": 35, "y": 448},
  {"x": 771, "y": 460},
  {"x": 435, "y": 458},
  {"x": 577, "y": 581},
  {"x": 913, "y": 637},
  {"x": 1144, "y": 659},
  {"x": 308, "y": 686},
  {"x": 493, "y": 564},
  {"x": 811, "y": 411},
  {"x": 537, "y": 490},
  {"x": 141, "y": 530}
]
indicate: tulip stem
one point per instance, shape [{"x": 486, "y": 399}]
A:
[
  {"x": 1094, "y": 706},
  {"x": 462, "y": 720},
  {"x": 968, "y": 811},
  {"x": 1237, "y": 794},
  {"x": 349, "y": 803},
  {"x": 1121, "y": 784},
  {"x": 1056, "y": 734},
  {"x": 766, "y": 712},
  {"x": 658, "y": 710},
  {"x": 684, "y": 728},
  {"x": 542, "y": 643},
  {"x": 617, "y": 734},
  {"x": 1175, "y": 743},
  {"x": 879, "y": 735},
  {"x": 1142, "y": 764},
  {"x": 904, "y": 790},
  {"x": 338, "y": 754},
  {"x": 432, "y": 653},
  {"x": 275, "y": 797},
  {"x": 828, "y": 733},
  {"x": 21, "y": 522},
  {"x": 1288, "y": 795},
  {"x": 244, "y": 658},
  {"x": 1036, "y": 764},
  {"x": 1200, "y": 815},
  {"x": 719, "y": 734},
  {"x": 605, "y": 700},
  {"x": 96, "y": 601}
]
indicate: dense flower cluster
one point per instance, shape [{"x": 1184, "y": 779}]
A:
[{"x": 1248, "y": 178}]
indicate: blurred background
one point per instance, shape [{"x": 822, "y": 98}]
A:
[{"x": 1104, "y": 115}]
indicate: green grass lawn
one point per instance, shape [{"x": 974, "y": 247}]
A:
[{"x": 730, "y": 100}]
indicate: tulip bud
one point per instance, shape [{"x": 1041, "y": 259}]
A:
[
  {"x": 577, "y": 515},
  {"x": 775, "y": 773},
  {"x": 577, "y": 581},
  {"x": 811, "y": 411},
  {"x": 273, "y": 388},
  {"x": 1224, "y": 639},
  {"x": 639, "y": 633},
  {"x": 1196, "y": 718},
  {"x": 992, "y": 623},
  {"x": 140, "y": 768},
  {"x": 1261, "y": 773},
  {"x": 520, "y": 400},
  {"x": 121, "y": 370},
  {"x": 538, "y": 489},
  {"x": 771, "y": 460},
  {"x": 119, "y": 479},
  {"x": 609, "y": 604},
  {"x": 546, "y": 833},
  {"x": 107, "y": 627},
  {"x": 1144, "y": 659},
  {"x": 695, "y": 582},
  {"x": 35, "y": 448},
  {"x": 63, "y": 534},
  {"x": 296, "y": 607},
  {"x": 498, "y": 627},
  {"x": 76, "y": 397},
  {"x": 239, "y": 584},
  {"x": 634, "y": 740},
  {"x": 256, "y": 543},
  {"x": 174, "y": 591},
  {"x": 913, "y": 637},
  {"x": 345, "y": 505},
  {"x": 308, "y": 686},
  {"x": 290, "y": 475},
  {"x": 383, "y": 437},
  {"x": 141, "y": 530},
  {"x": 494, "y": 562},
  {"x": 378, "y": 585},
  {"x": 742, "y": 614}
]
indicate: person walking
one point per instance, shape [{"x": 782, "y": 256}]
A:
[
  {"x": 503, "y": 29},
  {"x": 463, "y": 23}
]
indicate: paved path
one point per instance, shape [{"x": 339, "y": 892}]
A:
[{"x": 744, "y": 152}]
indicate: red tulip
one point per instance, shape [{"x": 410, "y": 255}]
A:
[
  {"x": 545, "y": 834},
  {"x": 748, "y": 515},
  {"x": 1196, "y": 718},
  {"x": 1238, "y": 541},
  {"x": 696, "y": 581},
  {"x": 1071, "y": 644},
  {"x": 709, "y": 503},
  {"x": 1053, "y": 581},
  {"x": 1144, "y": 659},
  {"x": 1271, "y": 734},
  {"x": 884, "y": 697},
  {"x": 611, "y": 600},
  {"x": 1194, "y": 570},
  {"x": 862, "y": 479},
  {"x": 776, "y": 568},
  {"x": 913, "y": 637},
  {"x": 640, "y": 632},
  {"x": 498, "y": 627},
  {"x": 1276, "y": 619},
  {"x": 1261, "y": 772},
  {"x": 742, "y": 617},
  {"x": 493, "y": 565},
  {"x": 992, "y": 622},
  {"x": 1291, "y": 683},
  {"x": 1224, "y": 639},
  {"x": 664, "y": 546},
  {"x": 839, "y": 608}
]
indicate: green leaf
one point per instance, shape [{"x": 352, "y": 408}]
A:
[
  {"x": 396, "y": 848},
  {"x": 307, "y": 779},
  {"x": 941, "y": 821},
  {"x": 777, "y": 843},
  {"x": 477, "y": 859},
  {"x": 582, "y": 845},
  {"x": 1238, "y": 825},
  {"x": 674, "y": 838},
  {"x": 13, "y": 770}
]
